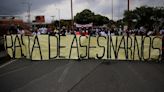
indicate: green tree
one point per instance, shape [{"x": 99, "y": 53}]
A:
[
  {"x": 143, "y": 16},
  {"x": 87, "y": 16},
  {"x": 84, "y": 17}
]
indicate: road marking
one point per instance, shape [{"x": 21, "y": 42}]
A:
[
  {"x": 7, "y": 63},
  {"x": 42, "y": 77},
  {"x": 63, "y": 75},
  {"x": 16, "y": 70}
]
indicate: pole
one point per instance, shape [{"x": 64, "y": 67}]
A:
[
  {"x": 112, "y": 9},
  {"x": 59, "y": 19},
  {"x": 29, "y": 11},
  {"x": 72, "y": 14},
  {"x": 53, "y": 18},
  {"x": 128, "y": 5},
  {"x": 128, "y": 19}
]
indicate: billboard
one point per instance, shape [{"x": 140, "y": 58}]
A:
[{"x": 40, "y": 19}]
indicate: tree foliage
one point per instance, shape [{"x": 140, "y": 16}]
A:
[
  {"x": 144, "y": 16},
  {"x": 87, "y": 16}
]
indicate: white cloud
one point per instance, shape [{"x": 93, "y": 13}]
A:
[
  {"x": 103, "y": 7},
  {"x": 78, "y": 7}
]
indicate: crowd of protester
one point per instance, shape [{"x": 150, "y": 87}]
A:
[
  {"x": 101, "y": 31},
  {"x": 118, "y": 31}
]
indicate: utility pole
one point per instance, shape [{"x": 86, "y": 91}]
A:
[
  {"x": 128, "y": 5},
  {"x": 72, "y": 14},
  {"x": 59, "y": 18},
  {"x": 53, "y": 19},
  {"x": 28, "y": 10},
  {"x": 112, "y": 9}
]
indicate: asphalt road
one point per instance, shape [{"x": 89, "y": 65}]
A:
[{"x": 84, "y": 76}]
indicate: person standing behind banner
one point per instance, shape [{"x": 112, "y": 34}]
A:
[
  {"x": 12, "y": 29},
  {"x": 162, "y": 33},
  {"x": 21, "y": 31},
  {"x": 36, "y": 31},
  {"x": 49, "y": 30}
]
